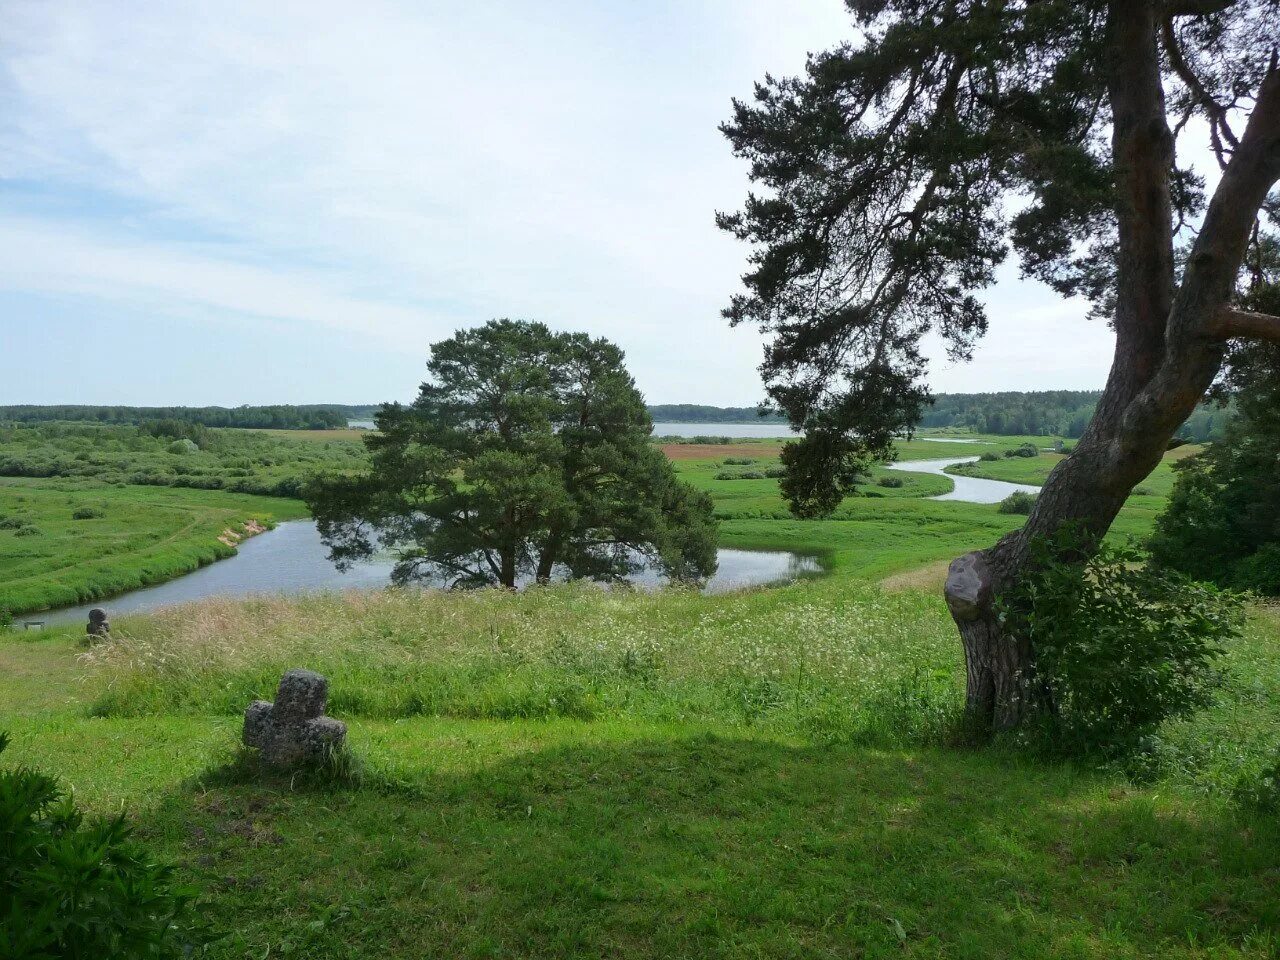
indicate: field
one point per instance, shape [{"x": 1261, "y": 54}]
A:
[
  {"x": 268, "y": 462},
  {"x": 572, "y": 772},
  {"x": 159, "y": 520}
]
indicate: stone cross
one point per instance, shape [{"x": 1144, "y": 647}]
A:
[
  {"x": 99, "y": 625},
  {"x": 294, "y": 730}
]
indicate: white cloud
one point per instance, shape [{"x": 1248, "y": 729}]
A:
[{"x": 401, "y": 169}]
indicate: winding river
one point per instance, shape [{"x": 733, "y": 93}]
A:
[
  {"x": 967, "y": 489},
  {"x": 292, "y": 558}
]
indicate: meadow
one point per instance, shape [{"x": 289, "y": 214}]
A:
[
  {"x": 575, "y": 772},
  {"x": 159, "y": 514},
  {"x": 572, "y": 771},
  {"x": 64, "y": 542},
  {"x": 265, "y": 462}
]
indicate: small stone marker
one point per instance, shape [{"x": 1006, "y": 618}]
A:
[
  {"x": 294, "y": 730},
  {"x": 99, "y": 625}
]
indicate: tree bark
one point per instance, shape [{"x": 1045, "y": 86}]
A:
[{"x": 1170, "y": 342}]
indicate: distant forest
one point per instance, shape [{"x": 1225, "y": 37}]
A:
[
  {"x": 1063, "y": 413},
  {"x": 278, "y": 417},
  {"x": 696, "y": 413}
]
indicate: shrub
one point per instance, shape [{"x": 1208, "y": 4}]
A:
[
  {"x": 989, "y": 455},
  {"x": 1142, "y": 492},
  {"x": 81, "y": 889},
  {"x": 183, "y": 447},
  {"x": 892, "y": 482},
  {"x": 12, "y": 523},
  {"x": 87, "y": 513},
  {"x": 1259, "y": 572},
  {"x": 1120, "y": 647},
  {"x": 1019, "y": 502},
  {"x": 776, "y": 473},
  {"x": 751, "y": 475},
  {"x": 27, "y": 531},
  {"x": 1026, "y": 450},
  {"x": 737, "y": 461},
  {"x": 1262, "y": 791}
]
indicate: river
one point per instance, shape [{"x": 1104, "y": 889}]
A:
[
  {"x": 967, "y": 489},
  {"x": 292, "y": 559}
]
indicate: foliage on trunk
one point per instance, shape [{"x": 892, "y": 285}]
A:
[
  {"x": 525, "y": 455},
  {"x": 891, "y": 173}
]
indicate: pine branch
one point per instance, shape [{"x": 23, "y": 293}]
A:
[{"x": 1234, "y": 322}]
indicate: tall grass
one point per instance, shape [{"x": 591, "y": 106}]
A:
[{"x": 823, "y": 659}]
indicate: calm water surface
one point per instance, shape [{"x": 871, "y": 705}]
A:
[
  {"x": 967, "y": 489},
  {"x": 292, "y": 559}
]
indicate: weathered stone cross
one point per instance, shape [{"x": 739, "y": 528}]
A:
[{"x": 294, "y": 730}]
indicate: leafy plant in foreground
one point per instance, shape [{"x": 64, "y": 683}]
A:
[
  {"x": 1120, "y": 647},
  {"x": 74, "y": 889}
]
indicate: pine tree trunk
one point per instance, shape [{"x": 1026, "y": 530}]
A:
[{"x": 1169, "y": 347}]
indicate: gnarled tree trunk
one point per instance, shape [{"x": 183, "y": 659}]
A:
[{"x": 1170, "y": 343}]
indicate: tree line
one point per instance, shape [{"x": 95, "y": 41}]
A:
[
  {"x": 1060, "y": 413},
  {"x": 274, "y": 417}
]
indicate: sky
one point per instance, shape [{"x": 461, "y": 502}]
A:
[{"x": 288, "y": 202}]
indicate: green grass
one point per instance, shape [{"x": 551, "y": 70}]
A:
[
  {"x": 885, "y": 531},
  {"x": 1036, "y": 470},
  {"x": 572, "y": 772},
  {"x": 760, "y": 774},
  {"x": 272, "y": 463},
  {"x": 145, "y": 535}
]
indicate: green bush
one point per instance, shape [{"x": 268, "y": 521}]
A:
[
  {"x": 1120, "y": 647},
  {"x": 87, "y": 513},
  {"x": 989, "y": 455},
  {"x": 12, "y": 523},
  {"x": 1018, "y": 502},
  {"x": 27, "y": 531},
  {"x": 891, "y": 482},
  {"x": 737, "y": 461},
  {"x": 776, "y": 473},
  {"x": 1262, "y": 791},
  {"x": 1259, "y": 572},
  {"x": 74, "y": 889},
  {"x": 183, "y": 447},
  {"x": 1026, "y": 450}
]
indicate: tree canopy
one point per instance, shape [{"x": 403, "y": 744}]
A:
[
  {"x": 1223, "y": 518},
  {"x": 526, "y": 455},
  {"x": 900, "y": 171},
  {"x": 903, "y": 168}
]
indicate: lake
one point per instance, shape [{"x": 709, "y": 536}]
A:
[{"x": 292, "y": 559}]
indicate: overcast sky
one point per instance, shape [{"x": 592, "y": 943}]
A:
[{"x": 249, "y": 202}]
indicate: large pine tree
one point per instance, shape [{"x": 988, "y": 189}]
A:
[
  {"x": 897, "y": 173},
  {"x": 525, "y": 456}
]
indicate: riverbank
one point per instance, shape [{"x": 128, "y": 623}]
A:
[{"x": 93, "y": 540}]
